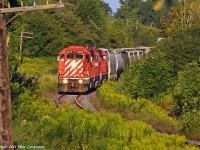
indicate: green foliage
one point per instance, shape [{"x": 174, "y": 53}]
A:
[
  {"x": 80, "y": 23},
  {"x": 39, "y": 66},
  {"x": 140, "y": 109},
  {"x": 91, "y": 10},
  {"x": 148, "y": 16},
  {"x": 148, "y": 77},
  {"x": 187, "y": 90},
  {"x": 166, "y": 101},
  {"x": 191, "y": 124},
  {"x": 106, "y": 8},
  {"x": 54, "y": 30},
  {"x": 182, "y": 48},
  {"x": 158, "y": 72},
  {"x": 19, "y": 83},
  {"x": 33, "y": 76},
  {"x": 127, "y": 13},
  {"x": 85, "y": 22},
  {"x": 67, "y": 128},
  {"x": 181, "y": 17},
  {"x": 45, "y": 69},
  {"x": 21, "y": 102},
  {"x": 48, "y": 38},
  {"x": 168, "y": 77},
  {"x": 117, "y": 35},
  {"x": 145, "y": 35},
  {"x": 48, "y": 83},
  {"x": 144, "y": 14}
]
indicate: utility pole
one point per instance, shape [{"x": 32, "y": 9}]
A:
[
  {"x": 6, "y": 131},
  {"x": 5, "y": 100},
  {"x": 21, "y": 42}
]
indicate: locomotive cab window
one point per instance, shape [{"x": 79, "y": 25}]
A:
[
  {"x": 70, "y": 56},
  {"x": 79, "y": 56},
  {"x": 62, "y": 57}
]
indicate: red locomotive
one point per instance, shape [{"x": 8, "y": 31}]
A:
[{"x": 81, "y": 68}]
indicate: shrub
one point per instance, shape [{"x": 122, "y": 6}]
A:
[
  {"x": 68, "y": 128},
  {"x": 191, "y": 124},
  {"x": 187, "y": 90},
  {"x": 148, "y": 77},
  {"x": 140, "y": 109},
  {"x": 45, "y": 69},
  {"x": 38, "y": 66}
]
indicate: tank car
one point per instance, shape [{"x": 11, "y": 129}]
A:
[
  {"x": 116, "y": 64},
  {"x": 132, "y": 54}
]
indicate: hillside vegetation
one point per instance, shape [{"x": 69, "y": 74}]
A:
[{"x": 158, "y": 93}]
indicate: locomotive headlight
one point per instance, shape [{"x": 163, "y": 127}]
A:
[
  {"x": 65, "y": 81},
  {"x": 80, "y": 81}
]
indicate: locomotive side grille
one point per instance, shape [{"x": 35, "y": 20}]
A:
[{"x": 74, "y": 68}]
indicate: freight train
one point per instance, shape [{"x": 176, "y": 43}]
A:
[{"x": 82, "y": 68}]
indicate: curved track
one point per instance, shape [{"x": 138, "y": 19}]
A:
[
  {"x": 79, "y": 100},
  {"x": 64, "y": 98}
]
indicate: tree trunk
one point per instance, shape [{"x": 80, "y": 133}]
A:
[{"x": 5, "y": 100}]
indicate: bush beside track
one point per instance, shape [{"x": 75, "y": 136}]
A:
[
  {"x": 69, "y": 128},
  {"x": 140, "y": 109}
]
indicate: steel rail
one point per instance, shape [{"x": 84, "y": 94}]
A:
[
  {"x": 196, "y": 143},
  {"x": 57, "y": 101},
  {"x": 77, "y": 103}
]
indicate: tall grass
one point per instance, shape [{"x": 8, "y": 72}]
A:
[
  {"x": 67, "y": 128},
  {"x": 45, "y": 69},
  {"x": 140, "y": 109}
]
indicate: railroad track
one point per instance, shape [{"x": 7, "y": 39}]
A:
[
  {"x": 77, "y": 102},
  {"x": 196, "y": 143},
  {"x": 81, "y": 101},
  {"x": 57, "y": 100}
]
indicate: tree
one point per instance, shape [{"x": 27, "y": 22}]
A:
[
  {"x": 106, "y": 8},
  {"x": 145, "y": 35},
  {"x": 184, "y": 15},
  {"x": 159, "y": 4},
  {"x": 127, "y": 13},
  {"x": 91, "y": 10},
  {"x": 117, "y": 34},
  {"x": 46, "y": 42},
  {"x": 182, "y": 48},
  {"x": 187, "y": 90},
  {"x": 149, "y": 77}
]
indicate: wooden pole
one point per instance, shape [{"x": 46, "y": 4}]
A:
[
  {"x": 21, "y": 43},
  {"x": 30, "y": 8},
  {"x": 5, "y": 100},
  {"x": 6, "y": 131}
]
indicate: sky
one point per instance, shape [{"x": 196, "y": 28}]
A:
[{"x": 114, "y": 4}]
